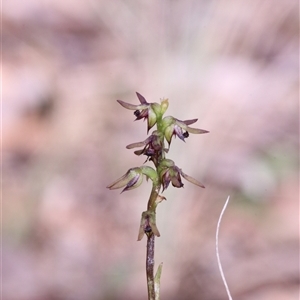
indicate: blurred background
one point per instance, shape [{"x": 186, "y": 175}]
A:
[{"x": 232, "y": 64}]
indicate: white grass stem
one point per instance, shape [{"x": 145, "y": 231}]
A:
[{"x": 217, "y": 249}]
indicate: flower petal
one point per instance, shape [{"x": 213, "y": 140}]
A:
[
  {"x": 165, "y": 178},
  {"x": 131, "y": 106},
  {"x": 176, "y": 181},
  {"x": 139, "y": 144},
  {"x": 122, "y": 181},
  {"x": 164, "y": 103},
  {"x": 139, "y": 152},
  {"x": 179, "y": 132},
  {"x": 169, "y": 131},
  {"x": 151, "y": 118},
  {"x": 189, "y": 122},
  {"x": 196, "y": 130},
  {"x": 141, "y": 98},
  {"x": 191, "y": 179},
  {"x": 134, "y": 183}
]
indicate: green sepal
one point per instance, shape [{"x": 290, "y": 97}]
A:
[
  {"x": 150, "y": 173},
  {"x": 152, "y": 117},
  {"x": 166, "y": 163},
  {"x": 166, "y": 122},
  {"x": 164, "y": 105}
]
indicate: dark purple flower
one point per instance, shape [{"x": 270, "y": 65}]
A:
[
  {"x": 171, "y": 173},
  {"x": 152, "y": 146},
  {"x": 144, "y": 110}
]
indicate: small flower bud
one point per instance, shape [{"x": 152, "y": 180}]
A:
[
  {"x": 151, "y": 118},
  {"x": 164, "y": 105}
]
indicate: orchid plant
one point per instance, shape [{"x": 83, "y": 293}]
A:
[{"x": 162, "y": 174}]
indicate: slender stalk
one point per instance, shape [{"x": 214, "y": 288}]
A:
[
  {"x": 154, "y": 285},
  {"x": 151, "y": 245},
  {"x": 150, "y": 266}
]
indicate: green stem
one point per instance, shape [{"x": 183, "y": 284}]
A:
[{"x": 153, "y": 196}]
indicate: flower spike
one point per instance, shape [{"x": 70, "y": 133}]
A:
[{"x": 164, "y": 172}]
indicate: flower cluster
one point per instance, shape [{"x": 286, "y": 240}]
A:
[
  {"x": 169, "y": 126},
  {"x": 153, "y": 147}
]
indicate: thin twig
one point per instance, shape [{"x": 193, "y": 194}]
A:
[{"x": 217, "y": 249}]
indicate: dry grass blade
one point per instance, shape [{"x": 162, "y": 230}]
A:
[{"x": 217, "y": 249}]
